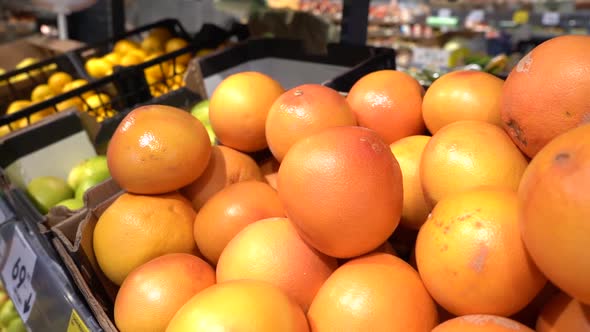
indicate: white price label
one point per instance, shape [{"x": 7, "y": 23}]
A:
[
  {"x": 444, "y": 12},
  {"x": 18, "y": 273},
  {"x": 550, "y": 18},
  {"x": 429, "y": 57}
]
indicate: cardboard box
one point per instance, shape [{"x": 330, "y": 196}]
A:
[
  {"x": 73, "y": 242},
  {"x": 37, "y": 46}
]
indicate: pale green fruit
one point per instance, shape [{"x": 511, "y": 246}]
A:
[
  {"x": 71, "y": 203},
  {"x": 95, "y": 167},
  {"x": 85, "y": 185},
  {"x": 7, "y": 313},
  {"x": 46, "y": 191},
  {"x": 201, "y": 112},
  {"x": 16, "y": 325}
]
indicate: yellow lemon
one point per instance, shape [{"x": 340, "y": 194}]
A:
[
  {"x": 175, "y": 44},
  {"x": 98, "y": 102},
  {"x": 41, "y": 92},
  {"x": 124, "y": 45},
  {"x": 76, "y": 84},
  {"x": 138, "y": 52},
  {"x": 14, "y": 107},
  {"x": 98, "y": 68},
  {"x": 58, "y": 80},
  {"x": 72, "y": 102},
  {"x": 4, "y": 130},
  {"x": 113, "y": 58},
  {"x": 160, "y": 33},
  {"x": 130, "y": 60},
  {"x": 152, "y": 44}
]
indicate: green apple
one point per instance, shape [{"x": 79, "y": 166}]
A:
[
  {"x": 85, "y": 185},
  {"x": 72, "y": 203},
  {"x": 46, "y": 191},
  {"x": 7, "y": 313},
  {"x": 16, "y": 325},
  {"x": 201, "y": 112},
  {"x": 95, "y": 167}
]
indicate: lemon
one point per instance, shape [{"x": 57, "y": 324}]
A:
[
  {"x": 152, "y": 44},
  {"x": 38, "y": 116},
  {"x": 156, "y": 72},
  {"x": 175, "y": 44},
  {"x": 98, "y": 68},
  {"x": 124, "y": 45},
  {"x": 161, "y": 34},
  {"x": 98, "y": 102},
  {"x": 68, "y": 103},
  {"x": 113, "y": 58},
  {"x": 41, "y": 92},
  {"x": 76, "y": 84},
  {"x": 131, "y": 59},
  {"x": 4, "y": 130},
  {"x": 58, "y": 80},
  {"x": 14, "y": 107}
]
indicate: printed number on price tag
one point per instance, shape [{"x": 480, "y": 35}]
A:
[
  {"x": 550, "y": 18},
  {"x": 18, "y": 273}
]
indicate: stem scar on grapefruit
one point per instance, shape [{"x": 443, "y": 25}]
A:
[
  {"x": 546, "y": 93},
  {"x": 158, "y": 149},
  {"x": 342, "y": 189}
]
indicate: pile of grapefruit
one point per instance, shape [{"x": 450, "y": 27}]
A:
[{"x": 465, "y": 207}]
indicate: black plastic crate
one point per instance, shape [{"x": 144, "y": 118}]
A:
[{"x": 19, "y": 84}]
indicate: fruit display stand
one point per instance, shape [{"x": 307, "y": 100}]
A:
[
  {"x": 290, "y": 64},
  {"x": 43, "y": 292}
]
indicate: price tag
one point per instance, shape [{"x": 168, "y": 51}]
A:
[
  {"x": 429, "y": 57},
  {"x": 18, "y": 273},
  {"x": 444, "y": 12},
  {"x": 550, "y": 18}
]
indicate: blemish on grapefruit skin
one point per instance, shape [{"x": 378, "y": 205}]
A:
[
  {"x": 517, "y": 131},
  {"x": 561, "y": 157},
  {"x": 377, "y": 148},
  {"x": 524, "y": 65},
  {"x": 298, "y": 93},
  {"x": 479, "y": 260}
]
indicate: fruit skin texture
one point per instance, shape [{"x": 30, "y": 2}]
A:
[
  {"x": 471, "y": 258},
  {"x": 226, "y": 167},
  {"x": 342, "y": 189},
  {"x": 468, "y": 154},
  {"x": 389, "y": 102},
  {"x": 481, "y": 323},
  {"x": 462, "y": 95},
  {"x": 302, "y": 111},
  {"x": 546, "y": 93},
  {"x": 241, "y": 305},
  {"x": 47, "y": 191},
  {"x": 158, "y": 149},
  {"x": 229, "y": 211},
  {"x": 562, "y": 313},
  {"x": 554, "y": 211},
  {"x": 238, "y": 109},
  {"x": 408, "y": 153},
  {"x": 151, "y": 294},
  {"x": 375, "y": 292},
  {"x": 136, "y": 228},
  {"x": 271, "y": 250}
]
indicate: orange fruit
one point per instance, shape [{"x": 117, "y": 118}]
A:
[
  {"x": 271, "y": 250},
  {"x": 230, "y": 210},
  {"x": 376, "y": 292},
  {"x": 462, "y": 95},
  {"x": 481, "y": 323},
  {"x": 554, "y": 211},
  {"x": 470, "y": 255},
  {"x": 58, "y": 80},
  {"x": 546, "y": 93},
  {"x": 137, "y": 228},
  {"x": 562, "y": 313},
  {"x": 238, "y": 108},
  {"x": 389, "y": 102},
  {"x": 158, "y": 149},
  {"x": 408, "y": 153},
  {"x": 302, "y": 111},
  {"x": 151, "y": 294},
  {"x": 468, "y": 154},
  {"x": 226, "y": 166},
  {"x": 342, "y": 188},
  {"x": 241, "y": 305}
]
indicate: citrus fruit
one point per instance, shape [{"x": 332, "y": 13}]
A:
[
  {"x": 271, "y": 250},
  {"x": 241, "y": 305},
  {"x": 160, "y": 33},
  {"x": 471, "y": 257},
  {"x": 41, "y": 92},
  {"x": 74, "y": 102},
  {"x": 98, "y": 103},
  {"x": 152, "y": 44},
  {"x": 47, "y": 191},
  {"x": 113, "y": 58},
  {"x": 123, "y": 46},
  {"x": 175, "y": 44},
  {"x": 137, "y": 228},
  {"x": 130, "y": 59},
  {"x": 226, "y": 166},
  {"x": 462, "y": 95},
  {"x": 230, "y": 210},
  {"x": 389, "y": 102},
  {"x": 271, "y": 179},
  {"x": 301, "y": 111},
  {"x": 481, "y": 323},
  {"x": 408, "y": 153},
  {"x": 97, "y": 67},
  {"x": 467, "y": 154},
  {"x": 238, "y": 109},
  {"x": 342, "y": 188},
  {"x": 554, "y": 211},
  {"x": 158, "y": 149},
  {"x": 58, "y": 80},
  {"x": 562, "y": 313},
  {"x": 359, "y": 295},
  {"x": 546, "y": 93},
  {"x": 151, "y": 294},
  {"x": 14, "y": 107}
]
